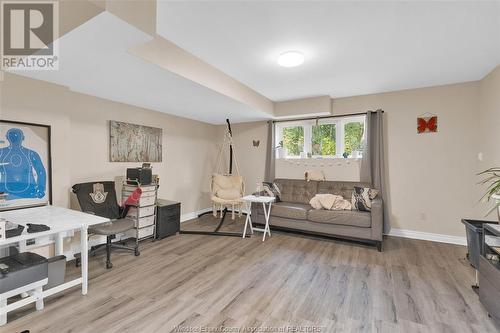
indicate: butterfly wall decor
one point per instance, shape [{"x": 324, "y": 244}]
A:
[
  {"x": 256, "y": 143},
  {"x": 427, "y": 124}
]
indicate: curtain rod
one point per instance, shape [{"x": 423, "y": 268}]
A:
[{"x": 325, "y": 117}]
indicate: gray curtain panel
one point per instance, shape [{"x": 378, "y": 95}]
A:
[
  {"x": 372, "y": 164},
  {"x": 270, "y": 153}
]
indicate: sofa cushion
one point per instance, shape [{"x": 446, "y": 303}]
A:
[
  {"x": 290, "y": 210},
  {"x": 339, "y": 188},
  {"x": 341, "y": 217},
  {"x": 297, "y": 190}
]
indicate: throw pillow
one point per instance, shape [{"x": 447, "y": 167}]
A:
[
  {"x": 272, "y": 190},
  {"x": 314, "y": 175},
  {"x": 277, "y": 192},
  {"x": 267, "y": 189},
  {"x": 362, "y": 198}
]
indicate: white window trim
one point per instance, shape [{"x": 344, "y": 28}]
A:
[{"x": 339, "y": 122}]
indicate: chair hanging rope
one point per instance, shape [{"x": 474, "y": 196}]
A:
[
  {"x": 227, "y": 188},
  {"x": 228, "y": 142}
]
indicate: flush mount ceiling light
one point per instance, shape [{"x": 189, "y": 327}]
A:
[{"x": 291, "y": 59}]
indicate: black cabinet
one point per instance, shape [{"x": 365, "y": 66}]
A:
[
  {"x": 489, "y": 271},
  {"x": 168, "y": 218}
]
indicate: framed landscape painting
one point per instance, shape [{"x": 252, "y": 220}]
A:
[
  {"x": 134, "y": 143},
  {"x": 25, "y": 165}
]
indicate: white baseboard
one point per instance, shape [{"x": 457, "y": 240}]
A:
[
  {"x": 428, "y": 236},
  {"x": 193, "y": 215}
]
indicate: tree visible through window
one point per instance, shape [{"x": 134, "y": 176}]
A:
[
  {"x": 353, "y": 135},
  {"x": 324, "y": 140},
  {"x": 293, "y": 140},
  {"x": 337, "y": 137}
]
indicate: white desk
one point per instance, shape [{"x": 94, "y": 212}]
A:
[
  {"x": 249, "y": 199},
  {"x": 60, "y": 220}
]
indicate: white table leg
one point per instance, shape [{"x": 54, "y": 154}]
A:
[
  {"x": 267, "y": 212},
  {"x": 248, "y": 220},
  {"x": 3, "y": 317},
  {"x": 267, "y": 220},
  {"x": 22, "y": 246},
  {"x": 265, "y": 225},
  {"x": 39, "y": 298},
  {"x": 249, "y": 210},
  {"x": 84, "y": 258},
  {"x": 59, "y": 245}
]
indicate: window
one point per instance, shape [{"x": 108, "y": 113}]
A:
[
  {"x": 324, "y": 140},
  {"x": 353, "y": 136},
  {"x": 327, "y": 138},
  {"x": 293, "y": 140}
]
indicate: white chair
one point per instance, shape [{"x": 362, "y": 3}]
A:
[{"x": 227, "y": 191}]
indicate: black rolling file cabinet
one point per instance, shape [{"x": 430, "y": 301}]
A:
[
  {"x": 489, "y": 271},
  {"x": 168, "y": 218}
]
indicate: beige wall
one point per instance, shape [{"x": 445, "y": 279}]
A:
[
  {"x": 251, "y": 160},
  {"x": 141, "y": 14},
  {"x": 431, "y": 177},
  {"x": 313, "y": 106},
  {"x": 489, "y": 122},
  {"x": 74, "y": 13},
  {"x": 490, "y": 119},
  {"x": 80, "y": 140}
]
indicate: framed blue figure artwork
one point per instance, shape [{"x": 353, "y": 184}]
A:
[{"x": 25, "y": 165}]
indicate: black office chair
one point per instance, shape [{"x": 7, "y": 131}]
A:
[{"x": 99, "y": 198}]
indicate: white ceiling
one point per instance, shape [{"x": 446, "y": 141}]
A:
[
  {"x": 94, "y": 60},
  {"x": 351, "y": 48}
]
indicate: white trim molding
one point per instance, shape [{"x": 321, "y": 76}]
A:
[
  {"x": 193, "y": 215},
  {"x": 428, "y": 236}
]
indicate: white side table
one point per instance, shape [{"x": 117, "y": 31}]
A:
[{"x": 266, "y": 205}]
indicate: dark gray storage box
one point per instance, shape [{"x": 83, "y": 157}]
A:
[
  {"x": 23, "y": 268},
  {"x": 57, "y": 271},
  {"x": 474, "y": 232}
]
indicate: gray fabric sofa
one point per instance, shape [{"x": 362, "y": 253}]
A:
[{"x": 295, "y": 213}]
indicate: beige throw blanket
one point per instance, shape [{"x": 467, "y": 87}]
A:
[{"x": 330, "y": 202}]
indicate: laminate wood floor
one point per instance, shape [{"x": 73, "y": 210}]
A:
[{"x": 206, "y": 282}]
